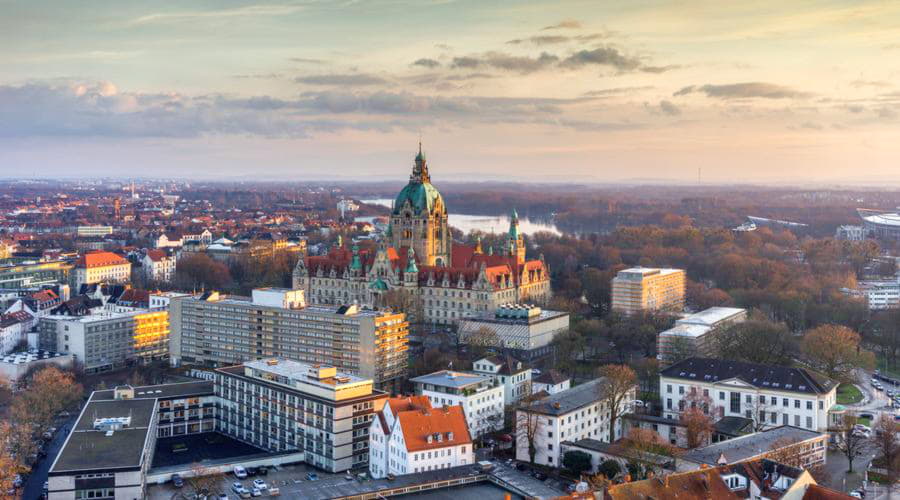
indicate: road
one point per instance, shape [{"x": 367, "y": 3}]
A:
[{"x": 34, "y": 485}]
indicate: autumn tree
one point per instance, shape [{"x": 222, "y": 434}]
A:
[
  {"x": 47, "y": 392},
  {"x": 791, "y": 451},
  {"x": 406, "y": 302},
  {"x": 10, "y": 461},
  {"x": 850, "y": 442},
  {"x": 835, "y": 351},
  {"x": 199, "y": 271},
  {"x": 203, "y": 480},
  {"x": 887, "y": 431},
  {"x": 743, "y": 342},
  {"x": 615, "y": 391}
]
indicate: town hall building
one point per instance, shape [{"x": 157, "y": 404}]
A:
[{"x": 446, "y": 280}]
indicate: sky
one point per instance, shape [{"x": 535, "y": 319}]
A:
[{"x": 534, "y": 91}]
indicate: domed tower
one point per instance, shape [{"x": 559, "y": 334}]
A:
[
  {"x": 419, "y": 218},
  {"x": 514, "y": 240}
]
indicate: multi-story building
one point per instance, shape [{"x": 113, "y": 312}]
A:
[
  {"x": 571, "y": 415},
  {"x": 879, "y": 295},
  {"x": 523, "y": 330},
  {"x": 640, "y": 289},
  {"x": 409, "y": 436},
  {"x": 37, "y": 274},
  {"x": 551, "y": 382},
  {"x": 769, "y": 395},
  {"x": 158, "y": 265},
  {"x": 13, "y": 327},
  {"x": 510, "y": 373},
  {"x": 480, "y": 396},
  {"x": 884, "y": 226},
  {"x": 110, "y": 448},
  {"x": 850, "y": 233},
  {"x": 282, "y": 405},
  {"x": 217, "y": 330},
  {"x": 93, "y": 230},
  {"x": 101, "y": 267},
  {"x": 801, "y": 447},
  {"x": 695, "y": 335},
  {"x": 449, "y": 281},
  {"x": 107, "y": 340}
]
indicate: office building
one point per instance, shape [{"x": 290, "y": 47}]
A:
[
  {"x": 217, "y": 330},
  {"x": 35, "y": 274},
  {"x": 101, "y": 267},
  {"x": 645, "y": 289},
  {"x": 480, "y": 396},
  {"x": 695, "y": 335},
  {"x": 771, "y": 396},
  {"x": 509, "y": 372},
  {"x": 409, "y": 436},
  {"x": 281, "y": 405},
  {"x": 522, "y": 330}
]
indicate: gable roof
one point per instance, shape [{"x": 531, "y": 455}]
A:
[
  {"x": 418, "y": 425},
  {"x": 781, "y": 378},
  {"x": 100, "y": 259},
  {"x": 703, "y": 483},
  {"x": 550, "y": 377}
]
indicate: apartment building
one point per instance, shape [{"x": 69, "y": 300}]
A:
[
  {"x": 480, "y": 396},
  {"x": 101, "y": 267},
  {"x": 281, "y": 405},
  {"x": 695, "y": 335},
  {"x": 107, "y": 340},
  {"x": 879, "y": 295},
  {"x": 217, "y": 330},
  {"x": 523, "y": 330},
  {"x": 409, "y": 436},
  {"x": 641, "y": 289},
  {"x": 158, "y": 265},
  {"x": 551, "y": 382},
  {"x": 771, "y": 396},
  {"x": 570, "y": 415},
  {"x": 510, "y": 373}
]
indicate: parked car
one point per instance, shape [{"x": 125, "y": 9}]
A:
[
  {"x": 274, "y": 492},
  {"x": 259, "y": 483},
  {"x": 865, "y": 414},
  {"x": 221, "y": 496},
  {"x": 255, "y": 492},
  {"x": 252, "y": 471},
  {"x": 263, "y": 471},
  {"x": 521, "y": 466},
  {"x": 177, "y": 481},
  {"x": 237, "y": 487},
  {"x": 240, "y": 472},
  {"x": 312, "y": 476},
  {"x": 391, "y": 477}
]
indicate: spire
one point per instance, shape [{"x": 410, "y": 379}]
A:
[
  {"x": 355, "y": 264},
  {"x": 411, "y": 261},
  {"x": 478, "y": 249},
  {"x": 514, "y": 225},
  {"x": 420, "y": 168}
]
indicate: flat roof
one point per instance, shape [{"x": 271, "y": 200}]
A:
[
  {"x": 300, "y": 372},
  {"x": 746, "y": 447},
  {"x": 644, "y": 271},
  {"x": 237, "y": 300},
  {"x": 568, "y": 400},
  {"x": 886, "y": 219},
  {"x": 711, "y": 316},
  {"x": 449, "y": 378},
  {"x": 181, "y": 389}
]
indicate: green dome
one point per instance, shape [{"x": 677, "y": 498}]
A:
[{"x": 422, "y": 196}]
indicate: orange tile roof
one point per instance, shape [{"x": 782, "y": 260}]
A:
[
  {"x": 704, "y": 484},
  {"x": 156, "y": 255},
  {"x": 408, "y": 403},
  {"x": 817, "y": 492},
  {"x": 417, "y": 425},
  {"x": 100, "y": 259}
]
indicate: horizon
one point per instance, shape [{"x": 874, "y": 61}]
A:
[{"x": 562, "y": 92}]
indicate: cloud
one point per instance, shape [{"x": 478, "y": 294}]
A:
[
  {"x": 617, "y": 91},
  {"x": 570, "y": 24},
  {"x": 744, "y": 90},
  {"x": 660, "y": 69},
  {"x": 506, "y": 62},
  {"x": 541, "y": 40},
  {"x": 260, "y": 76},
  {"x": 668, "y": 108},
  {"x": 426, "y": 62},
  {"x": 869, "y": 83},
  {"x": 607, "y": 56},
  {"x": 306, "y": 60},
  {"x": 346, "y": 79},
  {"x": 242, "y": 12}
]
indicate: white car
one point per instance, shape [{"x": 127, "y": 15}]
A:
[
  {"x": 240, "y": 472},
  {"x": 259, "y": 483},
  {"x": 255, "y": 492},
  {"x": 238, "y": 488}
]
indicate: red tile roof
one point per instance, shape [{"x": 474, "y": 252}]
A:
[
  {"x": 418, "y": 425},
  {"x": 100, "y": 259},
  {"x": 816, "y": 492}
]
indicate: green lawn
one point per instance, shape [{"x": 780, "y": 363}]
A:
[{"x": 848, "y": 394}]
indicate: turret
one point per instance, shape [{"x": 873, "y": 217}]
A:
[
  {"x": 515, "y": 241},
  {"x": 478, "y": 250},
  {"x": 355, "y": 264},
  {"x": 411, "y": 274}
]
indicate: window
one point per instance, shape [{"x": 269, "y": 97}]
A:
[
  {"x": 796, "y": 403},
  {"x": 749, "y": 399},
  {"x": 668, "y": 403},
  {"x": 785, "y": 402},
  {"x": 762, "y": 399},
  {"x": 809, "y": 405},
  {"x": 821, "y": 405},
  {"x": 735, "y": 402},
  {"x": 669, "y": 388},
  {"x": 680, "y": 389},
  {"x": 721, "y": 395},
  {"x": 809, "y": 422}
]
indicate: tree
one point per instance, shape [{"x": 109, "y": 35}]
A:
[
  {"x": 850, "y": 442},
  {"x": 698, "y": 427},
  {"x": 835, "y": 351},
  {"x": 742, "y": 341},
  {"x": 615, "y": 391},
  {"x": 47, "y": 392},
  {"x": 885, "y": 440},
  {"x": 203, "y": 480},
  {"x": 10, "y": 462},
  {"x": 609, "y": 468},
  {"x": 644, "y": 448},
  {"x": 529, "y": 425},
  {"x": 790, "y": 451},
  {"x": 577, "y": 462},
  {"x": 404, "y": 301},
  {"x": 481, "y": 340},
  {"x": 199, "y": 271}
]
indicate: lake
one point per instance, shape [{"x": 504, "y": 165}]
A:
[{"x": 485, "y": 223}]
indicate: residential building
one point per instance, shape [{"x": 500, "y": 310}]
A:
[
  {"x": 510, "y": 373},
  {"x": 408, "y": 436},
  {"x": 771, "y": 396},
  {"x": 850, "y": 233},
  {"x": 523, "y": 330},
  {"x": 879, "y": 295},
  {"x": 161, "y": 300},
  {"x": 93, "y": 230},
  {"x": 570, "y": 415},
  {"x": 281, "y": 405},
  {"x": 551, "y": 382},
  {"x": 790, "y": 445},
  {"x": 110, "y": 448},
  {"x": 13, "y": 327},
  {"x": 480, "y": 396},
  {"x": 695, "y": 335},
  {"x": 642, "y": 289},
  {"x": 101, "y": 267},
  {"x": 218, "y": 330},
  {"x": 107, "y": 340},
  {"x": 448, "y": 280},
  {"x": 158, "y": 265}
]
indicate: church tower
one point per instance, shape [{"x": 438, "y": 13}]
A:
[
  {"x": 419, "y": 218},
  {"x": 514, "y": 241}
]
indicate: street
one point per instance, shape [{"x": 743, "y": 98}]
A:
[{"x": 34, "y": 484}]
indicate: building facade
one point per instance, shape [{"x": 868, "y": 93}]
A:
[
  {"x": 480, "y": 397},
  {"x": 523, "y": 330},
  {"x": 158, "y": 265},
  {"x": 512, "y": 374},
  {"x": 101, "y": 267},
  {"x": 446, "y": 280},
  {"x": 281, "y": 405},
  {"x": 771, "y": 396},
  {"x": 643, "y": 289},
  {"x": 695, "y": 335},
  {"x": 215, "y": 330}
]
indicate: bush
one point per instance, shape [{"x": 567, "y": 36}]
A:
[
  {"x": 577, "y": 462},
  {"x": 610, "y": 469}
]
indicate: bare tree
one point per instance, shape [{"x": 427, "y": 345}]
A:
[
  {"x": 885, "y": 440},
  {"x": 696, "y": 418},
  {"x": 203, "y": 480},
  {"x": 790, "y": 451},
  {"x": 850, "y": 442},
  {"x": 529, "y": 425},
  {"x": 615, "y": 391},
  {"x": 761, "y": 414}
]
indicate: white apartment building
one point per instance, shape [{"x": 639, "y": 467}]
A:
[
  {"x": 101, "y": 267},
  {"x": 879, "y": 295},
  {"x": 550, "y": 381},
  {"x": 508, "y": 371},
  {"x": 158, "y": 265},
  {"x": 769, "y": 395},
  {"x": 523, "y": 330},
  {"x": 479, "y": 395},
  {"x": 409, "y": 436},
  {"x": 570, "y": 415},
  {"x": 694, "y": 335}
]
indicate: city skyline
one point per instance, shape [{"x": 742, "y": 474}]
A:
[{"x": 541, "y": 91}]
